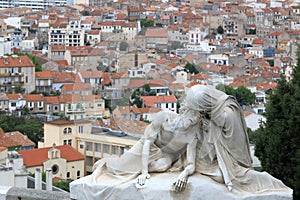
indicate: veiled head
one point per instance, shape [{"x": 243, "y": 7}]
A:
[{"x": 204, "y": 98}]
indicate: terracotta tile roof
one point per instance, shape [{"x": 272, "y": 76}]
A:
[
  {"x": 201, "y": 76},
  {"x": 43, "y": 75},
  {"x": 156, "y": 32},
  {"x": 192, "y": 84},
  {"x": 77, "y": 87},
  {"x": 258, "y": 42},
  {"x": 63, "y": 77},
  {"x": 106, "y": 78},
  {"x": 127, "y": 109},
  {"x": 34, "y": 97},
  {"x": 135, "y": 83},
  {"x": 69, "y": 98},
  {"x": 15, "y": 139},
  {"x": 62, "y": 64},
  {"x": 3, "y": 149},
  {"x": 18, "y": 61},
  {"x": 36, "y": 157},
  {"x": 14, "y": 96},
  {"x": 266, "y": 85},
  {"x": 51, "y": 99},
  {"x": 149, "y": 110},
  {"x": 91, "y": 74},
  {"x": 119, "y": 75},
  {"x": 94, "y": 32},
  {"x": 58, "y": 47},
  {"x": 276, "y": 33},
  {"x": 149, "y": 101}
]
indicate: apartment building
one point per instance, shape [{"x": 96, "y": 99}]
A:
[
  {"x": 16, "y": 71},
  {"x": 79, "y": 135},
  {"x": 34, "y": 4},
  {"x": 66, "y": 34}
]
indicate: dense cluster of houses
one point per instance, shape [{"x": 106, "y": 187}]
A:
[{"x": 94, "y": 57}]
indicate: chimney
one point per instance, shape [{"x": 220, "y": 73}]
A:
[
  {"x": 49, "y": 179},
  {"x": 38, "y": 179}
]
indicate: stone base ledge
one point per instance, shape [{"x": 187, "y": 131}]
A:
[{"x": 159, "y": 186}]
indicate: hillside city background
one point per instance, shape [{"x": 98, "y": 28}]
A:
[{"x": 81, "y": 79}]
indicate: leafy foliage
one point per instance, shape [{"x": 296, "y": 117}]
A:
[
  {"x": 175, "y": 45},
  {"x": 38, "y": 66},
  {"x": 277, "y": 143},
  {"x": 243, "y": 95},
  {"x": 220, "y": 30},
  {"x": 31, "y": 127},
  {"x": 147, "y": 23},
  {"x": 63, "y": 185},
  {"x": 191, "y": 68},
  {"x": 123, "y": 46}
]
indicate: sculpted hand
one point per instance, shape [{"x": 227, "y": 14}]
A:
[
  {"x": 180, "y": 183},
  {"x": 141, "y": 180}
]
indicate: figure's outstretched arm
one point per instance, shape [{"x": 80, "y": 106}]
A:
[
  {"x": 181, "y": 181},
  {"x": 145, "y": 161}
]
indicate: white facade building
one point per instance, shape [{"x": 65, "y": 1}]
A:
[
  {"x": 5, "y": 46},
  {"x": 70, "y": 36}
]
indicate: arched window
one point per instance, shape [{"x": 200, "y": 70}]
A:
[
  {"x": 65, "y": 131},
  {"x": 78, "y": 173},
  {"x": 68, "y": 174},
  {"x": 69, "y": 130}
]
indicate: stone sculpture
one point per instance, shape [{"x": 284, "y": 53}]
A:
[{"x": 207, "y": 138}]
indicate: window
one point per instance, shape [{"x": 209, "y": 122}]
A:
[
  {"x": 68, "y": 174},
  {"x": 69, "y": 130},
  {"x": 81, "y": 145},
  {"x": 97, "y": 147},
  {"x": 88, "y": 146},
  {"x": 80, "y": 129},
  {"x": 65, "y": 142},
  {"x": 99, "y": 105},
  {"x": 55, "y": 169},
  {"x": 65, "y": 130},
  {"x": 13, "y": 104},
  {"x": 114, "y": 150},
  {"x": 70, "y": 142},
  {"x": 105, "y": 148},
  {"x": 78, "y": 173}
]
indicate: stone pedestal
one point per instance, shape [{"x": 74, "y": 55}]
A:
[{"x": 159, "y": 186}]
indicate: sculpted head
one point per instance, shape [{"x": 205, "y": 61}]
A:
[{"x": 203, "y": 98}]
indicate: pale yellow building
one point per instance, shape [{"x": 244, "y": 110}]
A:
[
  {"x": 94, "y": 145},
  {"x": 16, "y": 71}
]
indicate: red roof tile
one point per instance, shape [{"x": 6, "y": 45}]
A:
[
  {"x": 14, "y": 139},
  {"x": 34, "y": 97},
  {"x": 149, "y": 101},
  {"x": 36, "y": 157},
  {"x": 18, "y": 61}
]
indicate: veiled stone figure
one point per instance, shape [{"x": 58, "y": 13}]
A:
[
  {"x": 223, "y": 149},
  {"x": 207, "y": 139}
]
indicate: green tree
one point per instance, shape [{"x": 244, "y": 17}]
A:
[
  {"x": 19, "y": 89},
  {"x": 243, "y": 95},
  {"x": 123, "y": 46},
  {"x": 147, "y": 87},
  {"x": 175, "y": 45},
  {"x": 191, "y": 68},
  {"x": 220, "y": 30},
  {"x": 277, "y": 143},
  {"x": 147, "y": 23},
  {"x": 32, "y": 127}
]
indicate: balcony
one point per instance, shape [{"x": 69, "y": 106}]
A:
[
  {"x": 4, "y": 74},
  {"x": 16, "y": 74},
  {"x": 76, "y": 110}
]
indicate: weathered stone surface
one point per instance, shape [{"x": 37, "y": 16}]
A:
[{"x": 159, "y": 186}]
